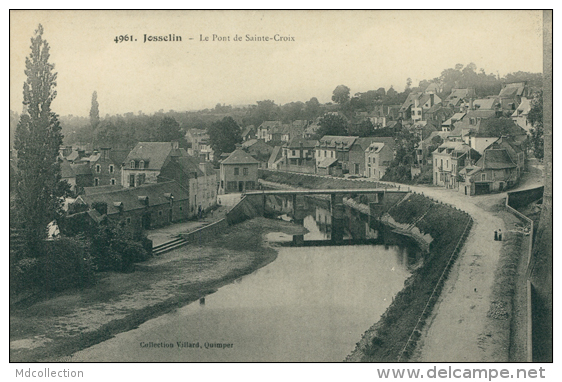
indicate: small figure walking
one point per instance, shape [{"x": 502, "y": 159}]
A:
[
  {"x": 500, "y": 235},
  {"x": 496, "y": 235}
]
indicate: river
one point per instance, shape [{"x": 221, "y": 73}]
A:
[{"x": 310, "y": 304}]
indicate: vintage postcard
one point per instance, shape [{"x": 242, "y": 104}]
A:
[{"x": 281, "y": 186}]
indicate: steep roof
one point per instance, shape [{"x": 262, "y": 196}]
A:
[
  {"x": 269, "y": 124},
  {"x": 327, "y": 162},
  {"x": 306, "y": 143},
  {"x": 248, "y": 129},
  {"x": 118, "y": 156},
  {"x": 157, "y": 193},
  {"x": 239, "y": 156},
  {"x": 485, "y": 103},
  {"x": 495, "y": 159},
  {"x": 365, "y": 142},
  {"x": 102, "y": 189},
  {"x": 81, "y": 169},
  {"x": 375, "y": 147},
  {"x": 457, "y": 95},
  {"x": 155, "y": 153},
  {"x": 342, "y": 142},
  {"x": 275, "y": 154}
]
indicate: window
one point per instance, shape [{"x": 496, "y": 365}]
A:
[
  {"x": 369, "y": 159},
  {"x": 332, "y": 153},
  {"x": 132, "y": 180},
  {"x": 231, "y": 185},
  {"x": 141, "y": 164},
  {"x": 141, "y": 178},
  {"x": 294, "y": 153},
  {"x": 236, "y": 171},
  {"x": 132, "y": 164},
  {"x": 112, "y": 181},
  {"x": 245, "y": 171},
  {"x": 96, "y": 182},
  {"x": 159, "y": 213},
  {"x": 98, "y": 168},
  {"x": 441, "y": 163},
  {"x": 128, "y": 220},
  {"x": 483, "y": 177},
  {"x": 111, "y": 169},
  {"x": 222, "y": 183}
]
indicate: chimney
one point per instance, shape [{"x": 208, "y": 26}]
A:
[
  {"x": 471, "y": 107},
  {"x": 175, "y": 145}
]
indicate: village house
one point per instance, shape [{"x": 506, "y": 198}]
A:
[
  {"x": 106, "y": 166},
  {"x": 458, "y": 99},
  {"x": 377, "y": 159},
  {"x": 521, "y": 114},
  {"x": 276, "y": 159},
  {"x": 329, "y": 166},
  {"x": 249, "y": 132},
  {"x": 498, "y": 169},
  {"x": 77, "y": 175},
  {"x": 197, "y": 177},
  {"x": 270, "y": 131},
  {"x": 356, "y": 162},
  {"x": 448, "y": 159},
  {"x": 258, "y": 149},
  {"x": 200, "y": 144},
  {"x": 238, "y": 173},
  {"x": 145, "y": 161},
  {"x": 511, "y": 95},
  {"x": 334, "y": 147},
  {"x": 137, "y": 208},
  {"x": 299, "y": 154},
  {"x": 486, "y": 133}
]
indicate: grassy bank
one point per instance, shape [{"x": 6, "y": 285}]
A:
[
  {"x": 56, "y": 327},
  {"x": 385, "y": 341}
]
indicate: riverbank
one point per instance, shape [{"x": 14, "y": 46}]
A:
[{"x": 56, "y": 327}]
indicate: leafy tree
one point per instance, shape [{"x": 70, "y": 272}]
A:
[
  {"x": 362, "y": 129},
  {"x": 169, "y": 130},
  {"x": 265, "y": 110},
  {"x": 537, "y": 132},
  {"x": 332, "y": 124},
  {"x": 94, "y": 111},
  {"x": 39, "y": 190},
  {"x": 340, "y": 94},
  {"x": 224, "y": 135},
  {"x": 312, "y": 109}
]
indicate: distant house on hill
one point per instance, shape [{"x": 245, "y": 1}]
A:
[
  {"x": 249, "y": 132},
  {"x": 512, "y": 93},
  {"x": 458, "y": 98},
  {"x": 521, "y": 114}
]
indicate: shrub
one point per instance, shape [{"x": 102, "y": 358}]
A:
[{"x": 65, "y": 263}]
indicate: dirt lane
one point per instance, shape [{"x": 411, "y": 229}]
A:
[{"x": 459, "y": 329}]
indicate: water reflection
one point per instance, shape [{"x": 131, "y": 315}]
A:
[{"x": 311, "y": 304}]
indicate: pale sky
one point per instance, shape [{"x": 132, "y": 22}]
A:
[{"x": 361, "y": 49}]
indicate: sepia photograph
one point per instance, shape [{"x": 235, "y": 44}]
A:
[{"x": 281, "y": 186}]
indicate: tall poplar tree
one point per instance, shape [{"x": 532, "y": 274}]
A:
[
  {"x": 94, "y": 112},
  {"x": 39, "y": 189}
]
